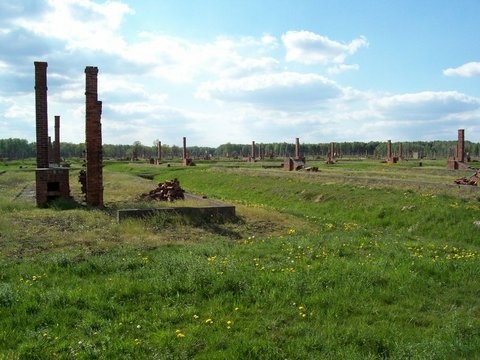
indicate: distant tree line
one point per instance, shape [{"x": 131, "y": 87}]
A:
[{"x": 22, "y": 149}]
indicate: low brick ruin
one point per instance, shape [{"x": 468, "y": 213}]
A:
[
  {"x": 297, "y": 162},
  {"x": 51, "y": 180},
  {"x": 169, "y": 190}
]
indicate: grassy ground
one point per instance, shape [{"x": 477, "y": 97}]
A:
[{"x": 359, "y": 261}]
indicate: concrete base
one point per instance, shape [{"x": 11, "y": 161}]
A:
[{"x": 212, "y": 209}]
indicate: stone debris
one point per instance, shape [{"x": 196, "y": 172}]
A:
[
  {"x": 168, "y": 191},
  {"x": 473, "y": 180}
]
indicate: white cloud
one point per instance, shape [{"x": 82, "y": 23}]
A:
[
  {"x": 309, "y": 48},
  {"x": 340, "y": 68},
  {"x": 82, "y": 24},
  {"x": 279, "y": 90},
  {"x": 470, "y": 69},
  {"x": 428, "y": 105}
]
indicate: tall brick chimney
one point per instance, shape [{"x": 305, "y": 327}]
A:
[
  {"x": 56, "y": 147},
  {"x": 93, "y": 139},
  {"x": 389, "y": 149},
  {"x": 184, "y": 152},
  {"x": 461, "y": 145},
  {"x": 252, "y": 153},
  {"x": 41, "y": 113},
  {"x": 297, "y": 148},
  {"x": 159, "y": 152}
]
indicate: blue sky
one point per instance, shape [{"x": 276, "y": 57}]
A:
[{"x": 242, "y": 71}]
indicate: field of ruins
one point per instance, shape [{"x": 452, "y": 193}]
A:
[{"x": 361, "y": 260}]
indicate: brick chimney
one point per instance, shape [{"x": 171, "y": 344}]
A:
[
  {"x": 56, "y": 147},
  {"x": 461, "y": 145},
  {"x": 41, "y": 113},
  {"x": 389, "y": 149},
  {"x": 184, "y": 153},
  {"x": 297, "y": 148},
  {"x": 93, "y": 139}
]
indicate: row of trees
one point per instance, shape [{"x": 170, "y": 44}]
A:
[{"x": 21, "y": 149}]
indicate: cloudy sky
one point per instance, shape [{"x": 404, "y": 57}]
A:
[{"x": 219, "y": 71}]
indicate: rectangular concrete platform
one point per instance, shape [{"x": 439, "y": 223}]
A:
[{"x": 212, "y": 209}]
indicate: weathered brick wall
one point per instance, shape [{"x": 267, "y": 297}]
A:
[{"x": 93, "y": 138}]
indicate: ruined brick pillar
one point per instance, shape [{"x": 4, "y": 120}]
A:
[
  {"x": 184, "y": 153},
  {"x": 93, "y": 139},
  {"x": 461, "y": 145},
  {"x": 41, "y": 113},
  {"x": 252, "y": 152},
  {"x": 56, "y": 146},
  {"x": 389, "y": 149},
  {"x": 331, "y": 154},
  {"x": 400, "y": 151},
  {"x": 159, "y": 152},
  {"x": 297, "y": 148}
]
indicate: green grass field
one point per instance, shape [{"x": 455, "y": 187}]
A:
[{"x": 359, "y": 261}]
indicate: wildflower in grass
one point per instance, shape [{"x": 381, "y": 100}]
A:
[
  {"x": 291, "y": 231},
  {"x": 329, "y": 226},
  {"x": 236, "y": 309},
  {"x": 137, "y": 341},
  {"x": 179, "y": 333},
  {"x": 229, "y": 324},
  {"x": 208, "y": 321},
  {"x": 195, "y": 316},
  {"x": 139, "y": 326}
]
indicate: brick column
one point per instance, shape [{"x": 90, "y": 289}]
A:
[
  {"x": 159, "y": 151},
  {"x": 41, "y": 113},
  {"x": 184, "y": 153},
  {"x": 389, "y": 149},
  {"x": 252, "y": 152},
  {"x": 93, "y": 138},
  {"x": 400, "y": 151},
  {"x": 56, "y": 148},
  {"x": 297, "y": 148},
  {"x": 461, "y": 145}
]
